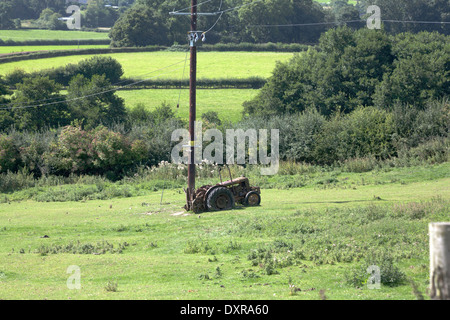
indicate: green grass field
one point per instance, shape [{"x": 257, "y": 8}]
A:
[
  {"x": 13, "y": 49},
  {"x": 141, "y": 65},
  {"x": 33, "y": 34},
  {"x": 313, "y": 234},
  {"x": 226, "y": 102}
]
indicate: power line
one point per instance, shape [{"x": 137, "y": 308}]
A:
[
  {"x": 220, "y": 7},
  {"x": 216, "y": 12},
  {"x": 113, "y": 84},
  {"x": 418, "y": 22},
  {"x": 339, "y": 22},
  {"x": 91, "y": 95},
  {"x": 198, "y": 4},
  {"x": 304, "y": 24},
  {"x": 182, "y": 78},
  {"x": 238, "y": 7}
]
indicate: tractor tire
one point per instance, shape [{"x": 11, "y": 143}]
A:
[
  {"x": 220, "y": 198},
  {"x": 252, "y": 199}
]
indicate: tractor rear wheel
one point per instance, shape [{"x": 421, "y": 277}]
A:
[
  {"x": 252, "y": 199},
  {"x": 220, "y": 198}
]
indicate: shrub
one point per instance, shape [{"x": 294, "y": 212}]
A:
[
  {"x": 9, "y": 154},
  {"x": 364, "y": 132},
  {"x": 359, "y": 165},
  {"x": 435, "y": 150},
  {"x": 390, "y": 275},
  {"x": 10, "y": 182},
  {"x": 100, "y": 65},
  {"x": 97, "y": 151},
  {"x": 16, "y": 77}
]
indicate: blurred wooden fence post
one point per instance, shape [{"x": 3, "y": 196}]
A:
[{"x": 439, "y": 260}]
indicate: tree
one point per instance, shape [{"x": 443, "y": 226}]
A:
[
  {"x": 341, "y": 75},
  {"x": 6, "y": 119},
  {"x": 31, "y": 9},
  {"x": 38, "y": 104},
  {"x": 98, "y": 65},
  {"x": 49, "y": 20},
  {"x": 421, "y": 71},
  {"x": 6, "y": 21},
  {"x": 139, "y": 26},
  {"x": 414, "y": 10},
  {"x": 255, "y": 17},
  {"x": 343, "y": 11},
  {"x": 93, "y": 101},
  {"x": 416, "y": 80},
  {"x": 97, "y": 15}
]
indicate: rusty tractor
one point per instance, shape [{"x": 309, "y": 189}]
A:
[{"x": 224, "y": 195}]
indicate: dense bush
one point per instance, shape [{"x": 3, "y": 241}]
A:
[
  {"x": 366, "y": 131},
  {"x": 97, "y": 65},
  {"x": 38, "y": 103},
  {"x": 98, "y": 151},
  {"x": 9, "y": 154},
  {"x": 100, "y": 104},
  {"x": 363, "y": 68},
  {"x": 139, "y": 26},
  {"x": 357, "y": 141}
]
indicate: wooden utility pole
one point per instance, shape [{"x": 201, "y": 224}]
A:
[
  {"x": 195, "y": 37},
  {"x": 439, "y": 260},
  {"x": 192, "y": 103}
]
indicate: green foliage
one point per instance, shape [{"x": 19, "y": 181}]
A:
[
  {"x": 366, "y": 131},
  {"x": 139, "y": 26},
  {"x": 100, "y": 105},
  {"x": 279, "y": 12},
  {"x": 9, "y": 154},
  {"x": 413, "y": 10},
  {"x": 390, "y": 274},
  {"x": 97, "y": 15},
  {"x": 93, "y": 151},
  {"x": 98, "y": 65},
  {"x": 362, "y": 68},
  {"x": 211, "y": 118},
  {"x": 15, "y": 77},
  {"x": 49, "y": 20},
  {"x": 27, "y": 111},
  {"x": 413, "y": 127},
  {"x": 111, "y": 286},
  {"x": 78, "y": 247},
  {"x": 5, "y": 15},
  {"x": 341, "y": 10}
]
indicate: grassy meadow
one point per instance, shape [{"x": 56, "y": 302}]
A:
[
  {"x": 141, "y": 65},
  {"x": 317, "y": 229},
  {"x": 226, "y": 102},
  {"x": 35, "y": 34},
  {"x": 298, "y": 242},
  {"x": 14, "y": 49},
  {"x": 211, "y": 65}
]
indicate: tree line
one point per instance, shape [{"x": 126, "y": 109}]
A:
[
  {"x": 147, "y": 22},
  {"x": 351, "y": 68}
]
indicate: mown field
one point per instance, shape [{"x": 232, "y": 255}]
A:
[
  {"x": 298, "y": 242},
  {"x": 140, "y": 65},
  {"x": 13, "y": 49},
  {"x": 148, "y": 65},
  {"x": 226, "y": 102},
  {"x": 34, "y": 34}
]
